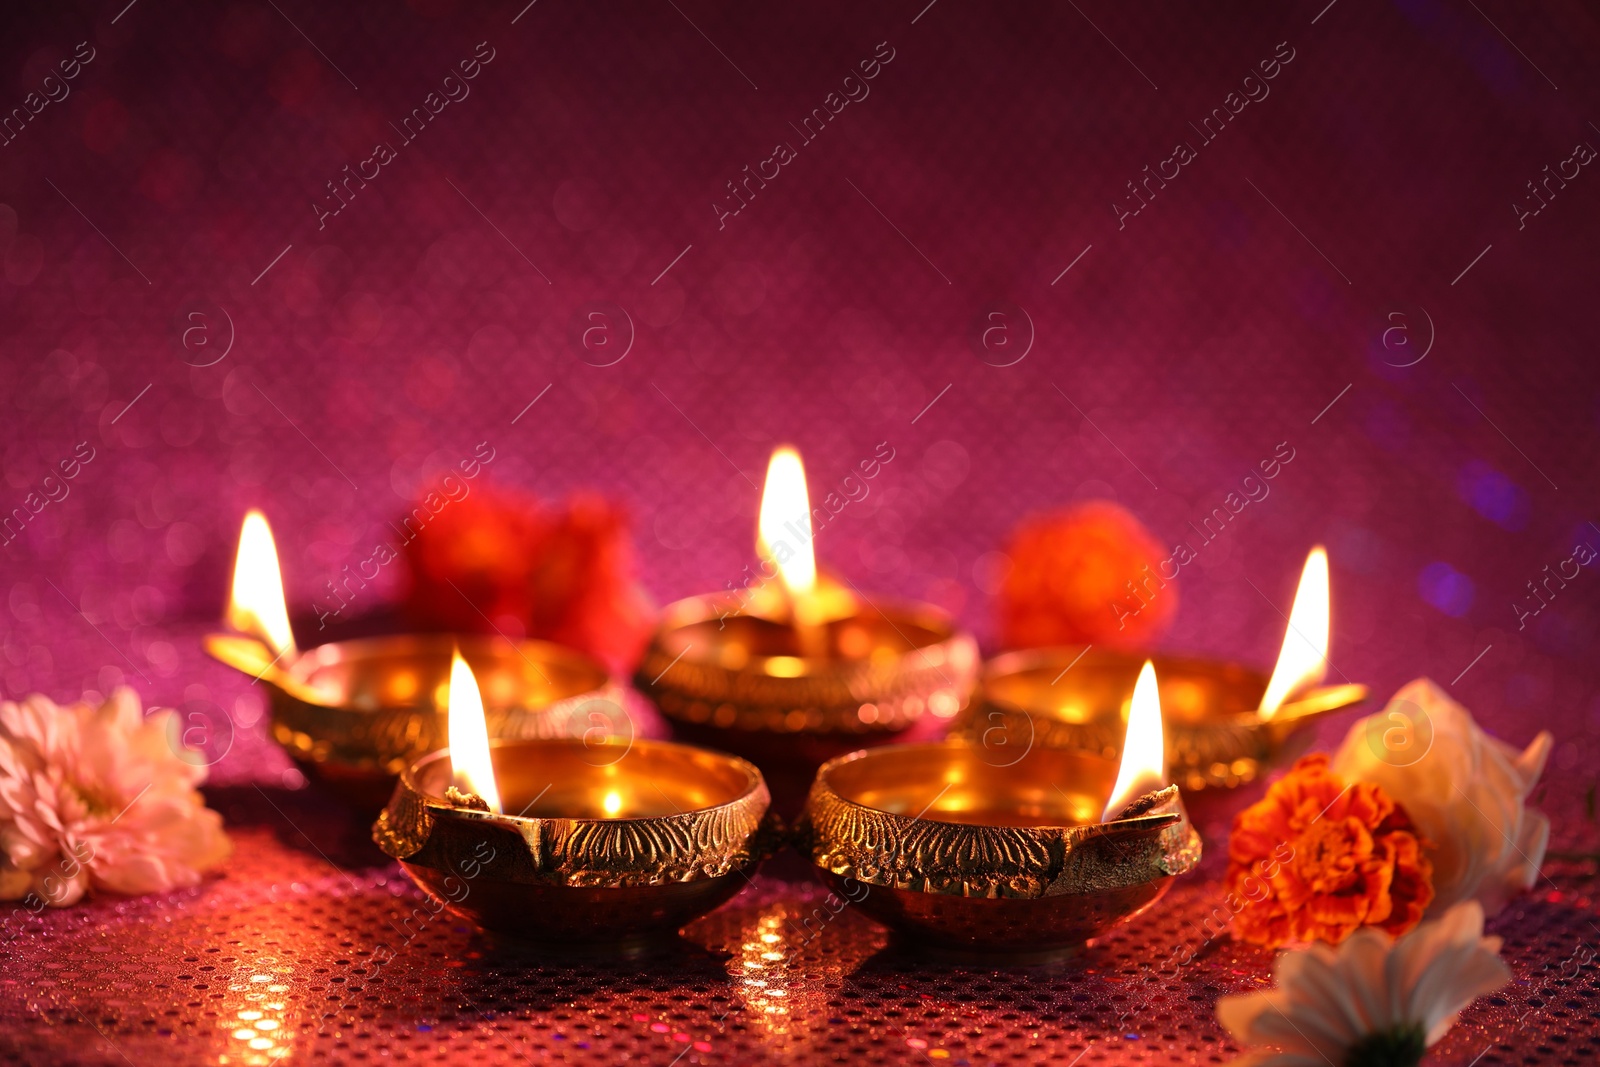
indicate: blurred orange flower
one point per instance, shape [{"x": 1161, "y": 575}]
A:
[
  {"x": 1079, "y": 575},
  {"x": 1317, "y": 859},
  {"x": 562, "y": 573}
]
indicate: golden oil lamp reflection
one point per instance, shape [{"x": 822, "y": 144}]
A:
[
  {"x": 1032, "y": 858},
  {"x": 567, "y": 840},
  {"x": 784, "y": 986},
  {"x": 1225, "y": 723},
  {"x": 761, "y": 973},
  {"x": 254, "y": 1014},
  {"x": 806, "y": 668},
  {"x": 355, "y": 713}
]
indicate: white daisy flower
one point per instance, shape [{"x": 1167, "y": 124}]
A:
[{"x": 1374, "y": 1001}]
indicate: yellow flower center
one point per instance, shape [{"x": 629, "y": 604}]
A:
[
  {"x": 98, "y": 803},
  {"x": 1329, "y": 854}
]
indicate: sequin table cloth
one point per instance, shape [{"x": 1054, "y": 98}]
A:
[{"x": 308, "y": 257}]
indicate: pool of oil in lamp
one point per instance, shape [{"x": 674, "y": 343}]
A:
[{"x": 585, "y": 801}]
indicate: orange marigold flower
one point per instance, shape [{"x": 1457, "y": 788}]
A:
[
  {"x": 1088, "y": 573},
  {"x": 1316, "y": 859}
]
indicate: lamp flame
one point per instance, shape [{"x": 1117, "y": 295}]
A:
[
  {"x": 785, "y": 502},
  {"x": 1144, "y": 751},
  {"x": 469, "y": 735},
  {"x": 256, "y": 605},
  {"x": 1304, "y": 659}
]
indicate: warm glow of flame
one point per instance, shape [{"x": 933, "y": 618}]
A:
[
  {"x": 1144, "y": 749},
  {"x": 761, "y": 972},
  {"x": 256, "y": 605},
  {"x": 786, "y": 519},
  {"x": 1304, "y": 659},
  {"x": 612, "y": 803},
  {"x": 257, "y": 1016},
  {"x": 469, "y": 735}
]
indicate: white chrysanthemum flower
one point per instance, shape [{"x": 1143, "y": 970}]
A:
[
  {"x": 1374, "y": 1001},
  {"x": 98, "y": 797},
  {"x": 1465, "y": 790}
]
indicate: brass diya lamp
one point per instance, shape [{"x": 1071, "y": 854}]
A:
[
  {"x": 1225, "y": 724},
  {"x": 955, "y": 849},
  {"x": 565, "y": 841},
  {"x": 354, "y": 713},
  {"x": 800, "y": 668}
]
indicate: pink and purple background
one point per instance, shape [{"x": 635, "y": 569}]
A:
[{"x": 1343, "y": 268}]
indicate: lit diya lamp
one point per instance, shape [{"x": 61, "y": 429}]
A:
[
  {"x": 1226, "y": 724},
  {"x": 952, "y": 849},
  {"x": 798, "y": 668},
  {"x": 567, "y": 840},
  {"x": 354, "y": 713}
]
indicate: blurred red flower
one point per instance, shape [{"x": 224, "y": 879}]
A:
[
  {"x": 1069, "y": 581},
  {"x": 563, "y": 573}
]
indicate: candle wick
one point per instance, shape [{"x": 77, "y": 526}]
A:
[{"x": 462, "y": 799}]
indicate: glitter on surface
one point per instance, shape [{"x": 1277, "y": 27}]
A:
[{"x": 312, "y": 948}]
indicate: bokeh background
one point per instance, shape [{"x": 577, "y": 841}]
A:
[
  {"x": 1344, "y": 268},
  {"x": 162, "y": 214}
]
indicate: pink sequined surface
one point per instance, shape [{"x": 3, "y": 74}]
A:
[{"x": 592, "y": 255}]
